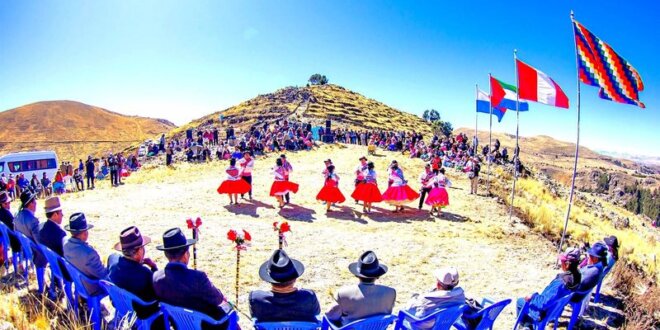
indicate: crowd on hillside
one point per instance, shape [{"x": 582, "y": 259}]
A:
[{"x": 176, "y": 284}]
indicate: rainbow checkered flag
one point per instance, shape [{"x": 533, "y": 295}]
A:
[{"x": 599, "y": 65}]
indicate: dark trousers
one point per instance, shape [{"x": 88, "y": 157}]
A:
[
  {"x": 422, "y": 198},
  {"x": 90, "y": 179},
  {"x": 80, "y": 185},
  {"x": 287, "y": 198},
  {"x": 248, "y": 179},
  {"x": 114, "y": 180}
]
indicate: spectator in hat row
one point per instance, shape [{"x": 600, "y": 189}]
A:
[
  {"x": 80, "y": 254},
  {"x": 27, "y": 223},
  {"x": 7, "y": 218},
  {"x": 50, "y": 233},
  {"x": 446, "y": 294}
]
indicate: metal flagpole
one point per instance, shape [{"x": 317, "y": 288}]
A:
[
  {"x": 476, "y": 121},
  {"x": 490, "y": 139},
  {"x": 577, "y": 146},
  {"x": 517, "y": 150}
]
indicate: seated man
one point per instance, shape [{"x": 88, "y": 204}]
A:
[
  {"x": 180, "y": 286},
  {"x": 81, "y": 255},
  {"x": 593, "y": 270},
  {"x": 28, "y": 224},
  {"x": 50, "y": 232},
  {"x": 565, "y": 283},
  {"x": 445, "y": 295},
  {"x": 7, "y": 218},
  {"x": 284, "y": 302},
  {"x": 365, "y": 299}
]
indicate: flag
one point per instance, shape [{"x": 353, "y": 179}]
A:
[
  {"x": 599, "y": 65},
  {"x": 503, "y": 96},
  {"x": 483, "y": 105},
  {"x": 536, "y": 86}
]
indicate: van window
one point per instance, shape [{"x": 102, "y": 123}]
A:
[
  {"x": 32, "y": 165},
  {"x": 2, "y": 167}
]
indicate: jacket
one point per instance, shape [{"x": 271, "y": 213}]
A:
[
  {"x": 52, "y": 236},
  {"x": 8, "y": 219},
  {"x": 82, "y": 256},
  {"x": 28, "y": 224},
  {"x": 301, "y": 305},
  {"x": 424, "y": 304},
  {"x": 363, "y": 300}
]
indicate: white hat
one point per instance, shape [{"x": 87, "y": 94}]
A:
[{"x": 447, "y": 276}]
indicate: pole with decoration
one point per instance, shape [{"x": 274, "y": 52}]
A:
[
  {"x": 194, "y": 226},
  {"x": 281, "y": 228},
  {"x": 242, "y": 241}
]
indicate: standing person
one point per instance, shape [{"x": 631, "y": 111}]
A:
[
  {"x": 288, "y": 168},
  {"x": 424, "y": 179},
  {"x": 360, "y": 171},
  {"x": 367, "y": 190},
  {"x": 168, "y": 156},
  {"x": 89, "y": 172},
  {"x": 215, "y": 136},
  {"x": 246, "y": 164},
  {"x": 473, "y": 169},
  {"x": 438, "y": 196},
  {"x": 161, "y": 143},
  {"x": 398, "y": 192},
  {"x": 114, "y": 173},
  {"x": 330, "y": 192},
  {"x": 281, "y": 186},
  {"x": 81, "y": 166},
  {"x": 233, "y": 185},
  {"x": 327, "y": 164}
]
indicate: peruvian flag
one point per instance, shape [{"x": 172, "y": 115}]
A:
[{"x": 534, "y": 85}]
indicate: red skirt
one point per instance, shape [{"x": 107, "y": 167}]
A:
[
  {"x": 280, "y": 188},
  {"x": 367, "y": 192},
  {"x": 234, "y": 187},
  {"x": 399, "y": 195},
  {"x": 330, "y": 195}
]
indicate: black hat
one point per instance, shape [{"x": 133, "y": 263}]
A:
[
  {"x": 78, "y": 223},
  {"x": 612, "y": 241},
  {"x": 175, "y": 239},
  {"x": 283, "y": 156},
  {"x": 26, "y": 197},
  {"x": 280, "y": 268},
  {"x": 4, "y": 197},
  {"x": 367, "y": 266}
]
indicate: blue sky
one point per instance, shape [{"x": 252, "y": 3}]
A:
[{"x": 180, "y": 60}]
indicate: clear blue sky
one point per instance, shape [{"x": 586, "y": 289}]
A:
[{"x": 180, "y": 60}]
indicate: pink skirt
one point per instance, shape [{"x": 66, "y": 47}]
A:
[
  {"x": 438, "y": 197},
  {"x": 399, "y": 195}
]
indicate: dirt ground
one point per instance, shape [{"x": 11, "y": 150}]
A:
[{"x": 495, "y": 259}]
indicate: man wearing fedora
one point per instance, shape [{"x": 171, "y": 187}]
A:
[
  {"x": 8, "y": 219},
  {"x": 367, "y": 298},
  {"x": 446, "y": 294},
  {"x": 80, "y": 254},
  {"x": 50, "y": 233},
  {"x": 128, "y": 270},
  {"x": 284, "y": 302},
  {"x": 28, "y": 224},
  {"x": 180, "y": 286},
  {"x": 591, "y": 273}
]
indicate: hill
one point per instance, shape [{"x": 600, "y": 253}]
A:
[
  {"x": 346, "y": 109},
  {"x": 73, "y": 129}
]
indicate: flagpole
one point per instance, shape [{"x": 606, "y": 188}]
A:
[
  {"x": 516, "y": 151},
  {"x": 476, "y": 122},
  {"x": 577, "y": 145},
  {"x": 490, "y": 139}
]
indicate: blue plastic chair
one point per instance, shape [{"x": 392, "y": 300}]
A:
[
  {"x": 600, "y": 282},
  {"x": 576, "y": 307},
  {"x": 4, "y": 240},
  {"x": 54, "y": 260},
  {"x": 123, "y": 301},
  {"x": 555, "y": 310},
  {"x": 93, "y": 301},
  {"x": 488, "y": 315},
  {"x": 444, "y": 318},
  {"x": 186, "y": 319},
  {"x": 289, "y": 325},
  {"x": 378, "y": 322},
  {"x": 28, "y": 248}
]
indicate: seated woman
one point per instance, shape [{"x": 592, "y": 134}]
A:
[{"x": 565, "y": 283}]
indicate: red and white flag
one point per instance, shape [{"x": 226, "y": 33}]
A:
[{"x": 534, "y": 85}]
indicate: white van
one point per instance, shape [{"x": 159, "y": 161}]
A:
[{"x": 28, "y": 163}]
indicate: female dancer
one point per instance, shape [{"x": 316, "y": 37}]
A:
[
  {"x": 438, "y": 197},
  {"x": 330, "y": 192},
  {"x": 281, "y": 186},
  {"x": 367, "y": 190},
  {"x": 234, "y": 185},
  {"x": 398, "y": 192}
]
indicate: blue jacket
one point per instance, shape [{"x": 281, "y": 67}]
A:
[
  {"x": 28, "y": 224},
  {"x": 8, "y": 219},
  {"x": 131, "y": 276},
  {"x": 52, "y": 236},
  {"x": 538, "y": 306},
  {"x": 82, "y": 256},
  {"x": 180, "y": 286},
  {"x": 300, "y": 305}
]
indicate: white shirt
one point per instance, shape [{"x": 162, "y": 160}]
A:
[{"x": 246, "y": 166}]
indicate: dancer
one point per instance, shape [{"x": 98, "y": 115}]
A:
[
  {"x": 281, "y": 186},
  {"x": 330, "y": 192},
  {"x": 327, "y": 163},
  {"x": 234, "y": 184},
  {"x": 398, "y": 192},
  {"x": 359, "y": 172},
  {"x": 288, "y": 168},
  {"x": 424, "y": 179},
  {"x": 367, "y": 190},
  {"x": 246, "y": 165},
  {"x": 438, "y": 196}
]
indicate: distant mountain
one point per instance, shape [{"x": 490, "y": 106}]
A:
[
  {"x": 644, "y": 159},
  {"x": 73, "y": 129},
  {"x": 345, "y": 108}
]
